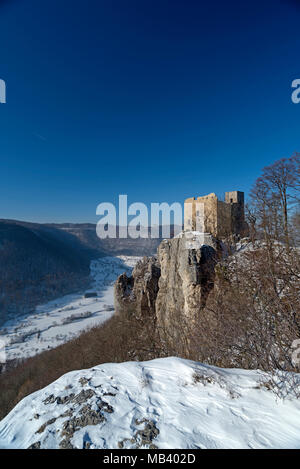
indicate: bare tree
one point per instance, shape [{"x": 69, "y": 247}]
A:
[{"x": 274, "y": 194}]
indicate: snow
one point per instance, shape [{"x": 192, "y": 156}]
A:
[
  {"x": 185, "y": 404},
  {"x": 62, "y": 319}
]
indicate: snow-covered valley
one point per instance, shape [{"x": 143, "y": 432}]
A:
[
  {"x": 62, "y": 319},
  {"x": 164, "y": 403}
]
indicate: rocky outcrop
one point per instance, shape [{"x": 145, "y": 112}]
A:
[
  {"x": 172, "y": 287},
  {"x": 136, "y": 295},
  {"x": 187, "y": 276}
]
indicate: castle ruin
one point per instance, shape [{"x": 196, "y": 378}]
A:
[{"x": 207, "y": 214}]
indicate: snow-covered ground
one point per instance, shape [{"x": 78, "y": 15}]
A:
[
  {"x": 163, "y": 403},
  {"x": 60, "y": 320}
]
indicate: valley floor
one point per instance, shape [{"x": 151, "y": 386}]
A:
[{"x": 62, "y": 319}]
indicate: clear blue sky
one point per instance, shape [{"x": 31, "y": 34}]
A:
[{"x": 160, "y": 100}]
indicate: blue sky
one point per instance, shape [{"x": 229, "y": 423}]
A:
[{"x": 160, "y": 100}]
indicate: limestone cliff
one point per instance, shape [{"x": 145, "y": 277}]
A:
[
  {"x": 172, "y": 287},
  {"x": 136, "y": 295}
]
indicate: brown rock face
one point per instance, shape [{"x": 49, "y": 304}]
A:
[
  {"x": 171, "y": 288},
  {"x": 136, "y": 295}
]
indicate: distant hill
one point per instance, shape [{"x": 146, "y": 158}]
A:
[{"x": 86, "y": 233}]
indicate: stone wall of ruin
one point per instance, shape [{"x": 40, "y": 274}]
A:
[{"x": 209, "y": 215}]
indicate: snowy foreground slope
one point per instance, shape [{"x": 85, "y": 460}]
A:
[
  {"x": 164, "y": 403},
  {"x": 62, "y": 319}
]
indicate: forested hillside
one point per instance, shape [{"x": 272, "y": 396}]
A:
[{"x": 38, "y": 263}]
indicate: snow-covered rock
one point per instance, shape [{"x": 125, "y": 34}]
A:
[{"x": 164, "y": 403}]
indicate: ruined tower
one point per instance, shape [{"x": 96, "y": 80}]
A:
[
  {"x": 207, "y": 214},
  {"x": 236, "y": 200}
]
